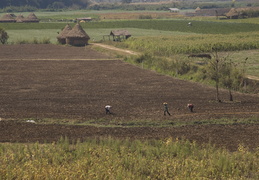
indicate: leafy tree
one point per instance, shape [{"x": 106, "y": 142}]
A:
[
  {"x": 3, "y": 36},
  {"x": 231, "y": 77},
  {"x": 224, "y": 72},
  {"x": 214, "y": 68}
]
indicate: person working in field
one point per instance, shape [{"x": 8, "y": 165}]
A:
[
  {"x": 166, "y": 109},
  {"x": 190, "y": 106},
  {"x": 107, "y": 109}
]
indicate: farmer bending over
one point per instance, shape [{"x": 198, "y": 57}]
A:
[
  {"x": 190, "y": 106},
  {"x": 107, "y": 109}
]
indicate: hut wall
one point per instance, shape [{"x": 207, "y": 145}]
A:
[
  {"x": 62, "y": 40},
  {"x": 7, "y": 21},
  {"x": 76, "y": 41}
]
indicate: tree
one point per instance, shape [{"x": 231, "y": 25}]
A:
[
  {"x": 3, "y": 36},
  {"x": 214, "y": 68}
]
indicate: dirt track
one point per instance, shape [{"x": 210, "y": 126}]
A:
[{"x": 48, "y": 81}]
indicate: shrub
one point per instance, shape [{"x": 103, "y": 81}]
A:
[{"x": 3, "y": 36}]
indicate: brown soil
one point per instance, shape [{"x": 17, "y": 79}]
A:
[{"x": 61, "y": 82}]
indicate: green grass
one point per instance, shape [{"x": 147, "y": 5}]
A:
[
  {"x": 247, "y": 20},
  {"x": 16, "y": 36},
  {"x": 61, "y": 15},
  {"x": 95, "y": 34},
  {"x": 144, "y": 123},
  {"x": 252, "y": 63},
  {"x": 203, "y": 27}
]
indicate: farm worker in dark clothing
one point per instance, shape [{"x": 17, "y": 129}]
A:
[
  {"x": 190, "y": 106},
  {"x": 107, "y": 109},
  {"x": 166, "y": 109}
]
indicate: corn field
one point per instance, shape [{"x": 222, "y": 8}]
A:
[{"x": 182, "y": 44}]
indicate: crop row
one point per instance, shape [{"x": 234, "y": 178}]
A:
[{"x": 180, "y": 44}]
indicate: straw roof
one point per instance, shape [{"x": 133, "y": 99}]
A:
[
  {"x": 64, "y": 32},
  {"x": 212, "y": 12},
  {"x": 31, "y": 18},
  {"x": 7, "y": 18},
  {"x": 232, "y": 13},
  {"x": 198, "y": 9},
  {"x": 120, "y": 33},
  {"x": 19, "y": 18},
  {"x": 247, "y": 9},
  {"x": 77, "y": 32}
]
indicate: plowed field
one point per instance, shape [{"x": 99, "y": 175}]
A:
[{"x": 75, "y": 83}]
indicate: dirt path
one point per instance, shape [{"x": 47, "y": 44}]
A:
[
  {"x": 253, "y": 77},
  {"x": 115, "y": 49}
]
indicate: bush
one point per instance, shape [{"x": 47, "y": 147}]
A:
[{"x": 3, "y": 36}]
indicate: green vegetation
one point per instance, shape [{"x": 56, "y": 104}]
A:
[
  {"x": 15, "y": 36},
  {"x": 182, "y": 44},
  {"x": 29, "y": 36},
  {"x": 146, "y": 123},
  {"x": 110, "y": 158},
  {"x": 201, "y": 27},
  {"x": 3, "y": 36}
]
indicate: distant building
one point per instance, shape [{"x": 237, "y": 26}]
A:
[
  {"x": 212, "y": 12},
  {"x": 8, "y": 18},
  {"x": 118, "y": 35},
  {"x": 63, "y": 34},
  {"x": 232, "y": 14},
  {"x": 12, "y": 18},
  {"x": 85, "y": 19},
  {"x": 77, "y": 36},
  {"x": 31, "y": 18},
  {"x": 19, "y": 18},
  {"x": 174, "y": 10}
]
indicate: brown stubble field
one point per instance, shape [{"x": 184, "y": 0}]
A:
[{"x": 75, "y": 83}]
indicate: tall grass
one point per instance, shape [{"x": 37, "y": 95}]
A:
[{"x": 125, "y": 159}]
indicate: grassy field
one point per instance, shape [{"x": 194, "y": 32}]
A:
[
  {"x": 125, "y": 159},
  {"x": 95, "y": 34}
]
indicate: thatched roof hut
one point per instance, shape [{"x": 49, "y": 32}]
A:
[
  {"x": 174, "y": 10},
  {"x": 197, "y": 9},
  {"x": 77, "y": 36},
  {"x": 19, "y": 18},
  {"x": 232, "y": 14},
  {"x": 7, "y": 18},
  {"x": 212, "y": 12},
  {"x": 31, "y": 18},
  {"x": 120, "y": 34},
  {"x": 63, "y": 34}
]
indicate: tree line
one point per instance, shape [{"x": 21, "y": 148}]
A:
[{"x": 45, "y": 4}]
